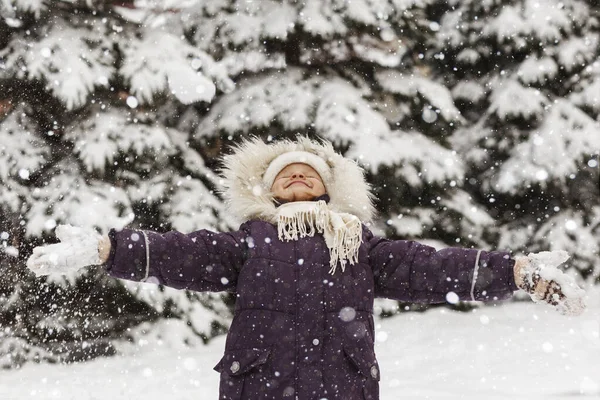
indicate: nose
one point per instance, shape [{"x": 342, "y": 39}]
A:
[{"x": 298, "y": 175}]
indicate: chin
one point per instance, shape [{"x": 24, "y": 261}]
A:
[{"x": 302, "y": 196}]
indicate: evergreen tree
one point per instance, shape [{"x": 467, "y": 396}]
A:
[
  {"x": 117, "y": 108},
  {"x": 354, "y": 73},
  {"x": 88, "y": 95},
  {"x": 523, "y": 73}
]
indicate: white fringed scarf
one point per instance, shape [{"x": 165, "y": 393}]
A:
[{"x": 342, "y": 231}]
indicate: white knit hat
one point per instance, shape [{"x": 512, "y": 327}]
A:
[{"x": 291, "y": 157}]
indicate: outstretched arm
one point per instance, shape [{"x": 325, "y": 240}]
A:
[
  {"x": 410, "y": 271},
  {"x": 200, "y": 261}
]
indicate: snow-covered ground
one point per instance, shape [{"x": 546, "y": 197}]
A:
[{"x": 517, "y": 351}]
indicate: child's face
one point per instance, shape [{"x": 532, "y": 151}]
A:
[{"x": 297, "y": 182}]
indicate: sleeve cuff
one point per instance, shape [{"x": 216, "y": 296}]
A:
[
  {"x": 113, "y": 249},
  {"x": 495, "y": 277},
  {"x": 127, "y": 258}
]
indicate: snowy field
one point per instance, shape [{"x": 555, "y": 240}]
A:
[{"x": 517, "y": 351}]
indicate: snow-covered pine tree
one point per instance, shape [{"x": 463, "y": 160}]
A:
[
  {"x": 525, "y": 75},
  {"x": 355, "y": 73},
  {"x": 372, "y": 76},
  {"x": 89, "y": 89}
]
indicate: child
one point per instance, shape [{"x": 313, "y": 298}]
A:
[{"x": 305, "y": 271}]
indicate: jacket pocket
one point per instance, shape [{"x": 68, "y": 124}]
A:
[
  {"x": 237, "y": 362},
  {"x": 236, "y": 366},
  {"x": 364, "y": 360}
]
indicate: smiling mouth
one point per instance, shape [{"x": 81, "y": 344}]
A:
[{"x": 303, "y": 183}]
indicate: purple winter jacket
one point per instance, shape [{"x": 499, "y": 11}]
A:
[{"x": 298, "y": 332}]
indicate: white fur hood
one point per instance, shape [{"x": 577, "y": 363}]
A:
[{"x": 248, "y": 198}]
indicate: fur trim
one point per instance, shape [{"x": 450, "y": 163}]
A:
[{"x": 248, "y": 197}]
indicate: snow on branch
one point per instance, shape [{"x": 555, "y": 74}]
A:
[
  {"x": 191, "y": 206},
  {"x": 508, "y": 25},
  {"x": 251, "y": 36},
  {"x": 510, "y": 100},
  {"x": 471, "y": 222},
  {"x": 419, "y": 160},
  {"x": 386, "y": 53},
  {"x": 173, "y": 69},
  {"x": 576, "y": 52},
  {"x": 553, "y": 151},
  {"x": 544, "y": 21},
  {"x": 321, "y": 19},
  {"x": 588, "y": 95},
  {"x": 71, "y": 62},
  {"x": 285, "y": 98},
  {"x": 255, "y": 61},
  {"x": 99, "y": 140},
  {"x": 514, "y": 26},
  {"x": 413, "y": 222},
  {"x": 69, "y": 198},
  {"x": 537, "y": 70},
  {"x": 237, "y": 39},
  {"x": 339, "y": 112},
  {"x": 569, "y": 231},
  {"x": 344, "y": 116},
  {"x": 469, "y": 90},
  {"x": 328, "y": 18},
  {"x": 466, "y": 141},
  {"x": 411, "y": 85},
  {"x": 200, "y": 311},
  {"x": 474, "y": 215},
  {"x": 216, "y": 26},
  {"x": 36, "y": 7},
  {"x": 22, "y": 151}
]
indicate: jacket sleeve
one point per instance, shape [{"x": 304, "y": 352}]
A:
[
  {"x": 199, "y": 261},
  {"x": 408, "y": 271}
]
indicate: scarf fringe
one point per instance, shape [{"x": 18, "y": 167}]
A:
[{"x": 342, "y": 231}]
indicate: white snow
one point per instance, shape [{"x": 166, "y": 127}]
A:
[
  {"x": 100, "y": 140},
  {"x": 542, "y": 20},
  {"x": 319, "y": 19},
  {"x": 422, "y": 160},
  {"x": 412, "y": 85},
  {"x": 464, "y": 204},
  {"x": 575, "y": 52},
  {"x": 150, "y": 72},
  {"x": 566, "y": 134},
  {"x": 76, "y": 201},
  {"x": 511, "y": 100},
  {"x": 20, "y": 149},
  {"x": 567, "y": 230},
  {"x": 515, "y": 351},
  {"x": 545, "y": 263},
  {"x": 468, "y": 90},
  {"x": 508, "y": 25},
  {"x": 536, "y": 70},
  {"x": 414, "y": 224},
  {"x": 66, "y": 61},
  {"x": 385, "y": 53}
]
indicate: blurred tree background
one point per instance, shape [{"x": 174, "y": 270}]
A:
[{"x": 477, "y": 122}]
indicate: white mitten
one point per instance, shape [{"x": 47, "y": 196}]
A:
[
  {"x": 78, "y": 249},
  {"x": 537, "y": 275}
]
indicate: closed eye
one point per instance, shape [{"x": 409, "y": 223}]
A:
[{"x": 287, "y": 176}]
